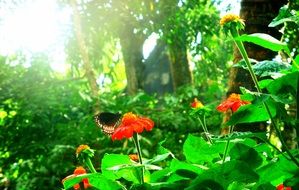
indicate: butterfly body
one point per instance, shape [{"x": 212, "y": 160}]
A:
[{"x": 108, "y": 122}]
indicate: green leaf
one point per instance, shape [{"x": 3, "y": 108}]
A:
[
  {"x": 159, "y": 158},
  {"x": 176, "y": 165},
  {"x": 285, "y": 84},
  {"x": 95, "y": 179},
  {"x": 197, "y": 150},
  {"x": 223, "y": 175},
  {"x": 265, "y": 41},
  {"x": 116, "y": 166},
  {"x": 265, "y": 68},
  {"x": 247, "y": 154},
  {"x": 264, "y": 83},
  {"x": 265, "y": 186},
  {"x": 284, "y": 15},
  {"x": 162, "y": 149},
  {"x": 236, "y": 170},
  {"x": 277, "y": 171},
  {"x": 268, "y": 68},
  {"x": 237, "y": 186},
  {"x": 254, "y": 112},
  {"x": 208, "y": 184},
  {"x": 297, "y": 59},
  {"x": 160, "y": 175},
  {"x": 242, "y": 135},
  {"x": 160, "y": 185}
]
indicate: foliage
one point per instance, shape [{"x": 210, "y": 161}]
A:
[
  {"x": 235, "y": 161},
  {"x": 45, "y": 116},
  {"x": 40, "y": 125}
]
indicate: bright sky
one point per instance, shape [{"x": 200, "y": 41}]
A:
[
  {"x": 35, "y": 26},
  {"x": 40, "y": 26}
]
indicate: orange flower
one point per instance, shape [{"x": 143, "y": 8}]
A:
[
  {"x": 132, "y": 123},
  {"x": 78, "y": 171},
  {"x": 196, "y": 104},
  {"x": 233, "y": 102},
  {"x": 230, "y": 18},
  {"x": 81, "y": 148},
  {"x": 282, "y": 187},
  {"x": 134, "y": 157}
]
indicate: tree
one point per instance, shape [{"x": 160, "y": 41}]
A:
[
  {"x": 257, "y": 15},
  {"x": 131, "y": 22},
  {"x": 180, "y": 23},
  {"x": 89, "y": 73}
]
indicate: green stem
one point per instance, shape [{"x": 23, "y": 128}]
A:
[
  {"x": 205, "y": 129},
  {"x": 243, "y": 52},
  {"x": 231, "y": 128},
  {"x": 136, "y": 142},
  {"x": 293, "y": 61},
  {"x": 90, "y": 165}
]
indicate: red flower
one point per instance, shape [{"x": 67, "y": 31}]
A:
[
  {"x": 78, "y": 171},
  {"x": 132, "y": 123},
  {"x": 233, "y": 102},
  {"x": 282, "y": 187},
  {"x": 196, "y": 104}
]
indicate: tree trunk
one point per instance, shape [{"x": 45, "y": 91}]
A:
[
  {"x": 179, "y": 66},
  {"x": 84, "y": 55},
  {"x": 257, "y": 15},
  {"x": 131, "y": 45}
]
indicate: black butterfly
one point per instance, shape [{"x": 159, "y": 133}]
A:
[{"x": 108, "y": 121}]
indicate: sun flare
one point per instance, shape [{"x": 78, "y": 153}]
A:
[{"x": 35, "y": 26}]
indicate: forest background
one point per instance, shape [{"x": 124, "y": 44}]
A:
[{"x": 46, "y": 113}]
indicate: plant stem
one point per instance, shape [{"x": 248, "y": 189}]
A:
[
  {"x": 243, "y": 52},
  {"x": 90, "y": 165},
  {"x": 293, "y": 61},
  {"x": 231, "y": 128},
  {"x": 205, "y": 129},
  {"x": 136, "y": 142}
]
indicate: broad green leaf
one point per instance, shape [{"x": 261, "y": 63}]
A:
[
  {"x": 297, "y": 59},
  {"x": 264, "y": 83},
  {"x": 225, "y": 174},
  {"x": 161, "y": 185},
  {"x": 72, "y": 180},
  {"x": 160, "y": 175},
  {"x": 285, "y": 84},
  {"x": 284, "y": 15},
  {"x": 247, "y": 154},
  {"x": 237, "y": 186},
  {"x": 243, "y": 135},
  {"x": 116, "y": 166},
  {"x": 265, "y": 41},
  {"x": 198, "y": 151},
  {"x": 265, "y": 186},
  {"x": 254, "y": 112},
  {"x": 208, "y": 184},
  {"x": 96, "y": 180},
  {"x": 277, "y": 171},
  {"x": 182, "y": 171},
  {"x": 158, "y": 158},
  {"x": 267, "y": 68},
  {"x": 293, "y": 181},
  {"x": 264, "y": 68},
  {"x": 162, "y": 149},
  {"x": 179, "y": 165},
  {"x": 236, "y": 170}
]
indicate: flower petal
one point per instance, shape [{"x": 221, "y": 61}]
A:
[
  {"x": 122, "y": 132},
  {"x": 138, "y": 126},
  {"x": 79, "y": 170},
  {"x": 148, "y": 123}
]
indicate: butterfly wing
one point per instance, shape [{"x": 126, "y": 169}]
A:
[{"x": 107, "y": 122}]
